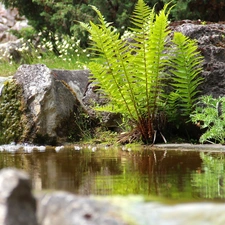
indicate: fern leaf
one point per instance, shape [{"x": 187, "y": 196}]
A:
[{"x": 186, "y": 68}]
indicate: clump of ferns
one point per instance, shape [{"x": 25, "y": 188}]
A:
[{"x": 133, "y": 75}]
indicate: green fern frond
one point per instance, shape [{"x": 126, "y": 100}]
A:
[
  {"x": 150, "y": 44},
  {"x": 186, "y": 68},
  {"x": 115, "y": 74},
  {"x": 142, "y": 16}
]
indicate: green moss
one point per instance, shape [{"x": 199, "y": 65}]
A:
[{"x": 11, "y": 113}]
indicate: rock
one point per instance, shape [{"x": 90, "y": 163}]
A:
[
  {"x": 10, "y": 20},
  {"x": 54, "y": 106},
  {"x": 10, "y": 49},
  {"x": 91, "y": 98},
  {"x": 76, "y": 79},
  {"x": 63, "y": 208},
  {"x": 53, "y": 110},
  {"x": 17, "y": 204},
  {"x": 211, "y": 43}
]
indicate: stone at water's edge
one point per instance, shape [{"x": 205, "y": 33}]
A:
[
  {"x": 53, "y": 110},
  {"x": 55, "y": 105},
  {"x": 18, "y": 206}
]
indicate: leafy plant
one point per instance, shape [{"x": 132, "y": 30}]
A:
[
  {"x": 210, "y": 115},
  {"x": 133, "y": 74},
  {"x": 185, "y": 70}
]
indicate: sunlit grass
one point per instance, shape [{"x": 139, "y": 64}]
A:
[{"x": 63, "y": 52}]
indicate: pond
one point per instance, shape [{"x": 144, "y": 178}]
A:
[{"x": 155, "y": 172}]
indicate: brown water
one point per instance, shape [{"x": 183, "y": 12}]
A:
[{"x": 177, "y": 175}]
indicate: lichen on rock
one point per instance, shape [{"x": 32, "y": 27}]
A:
[{"x": 11, "y": 113}]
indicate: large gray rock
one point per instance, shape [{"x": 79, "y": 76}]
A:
[
  {"x": 77, "y": 80},
  {"x": 52, "y": 108},
  {"x": 211, "y": 43},
  {"x": 17, "y": 204}
]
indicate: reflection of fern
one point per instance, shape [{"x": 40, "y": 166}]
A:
[{"x": 133, "y": 74}]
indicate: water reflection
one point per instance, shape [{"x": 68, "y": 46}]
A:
[
  {"x": 209, "y": 179},
  {"x": 171, "y": 174}
]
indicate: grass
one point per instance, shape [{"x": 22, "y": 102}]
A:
[{"x": 63, "y": 52}]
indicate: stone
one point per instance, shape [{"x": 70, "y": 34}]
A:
[
  {"x": 53, "y": 110},
  {"x": 10, "y": 48},
  {"x": 10, "y": 20},
  {"x": 77, "y": 80},
  {"x": 17, "y": 204},
  {"x": 93, "y": 97},
  {"x": 210, "y": 38},
  {"x": 63, "y": 208}
]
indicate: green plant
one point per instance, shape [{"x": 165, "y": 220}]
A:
[
  {"x": 185, "y": 70},
  {"x": 133, "y": 74},
  {"x": 210, "y": 115}
]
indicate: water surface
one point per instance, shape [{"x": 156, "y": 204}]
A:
[{"x": 171, "y": 174}]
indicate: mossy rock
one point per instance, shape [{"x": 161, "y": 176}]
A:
[{"x": 11, "y": 113}]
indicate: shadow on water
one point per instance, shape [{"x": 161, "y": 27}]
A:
[{"x": 173, "y": 174}]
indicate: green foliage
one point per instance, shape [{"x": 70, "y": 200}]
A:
[
  {"x": 133, "y": 74},
  {"x": 210, "y": 115},
  {"x": 185, "y": 70},
  {"x": 55, "y": 51},
  {"x": 61, "y": 16}
]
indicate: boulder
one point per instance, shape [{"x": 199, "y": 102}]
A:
[
  {"x": 77, "y": 80},
  {"x": 46, "y": 106},
  {"x": 18, "y": 205},
  {"x": 53, "y": 110},
  {"x": 211, "y": 43}
]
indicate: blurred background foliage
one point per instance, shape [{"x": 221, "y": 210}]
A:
[{"x": 60, "y": 16}]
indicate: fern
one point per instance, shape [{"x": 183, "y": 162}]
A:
[
  {"x": 133, "y": 75},
  {"x": 186, "y": 68}
]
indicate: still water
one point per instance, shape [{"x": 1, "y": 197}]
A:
[{"x": 170, "y": 174}]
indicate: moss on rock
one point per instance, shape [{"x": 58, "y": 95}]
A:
[{"x": 11, "y": 113}]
